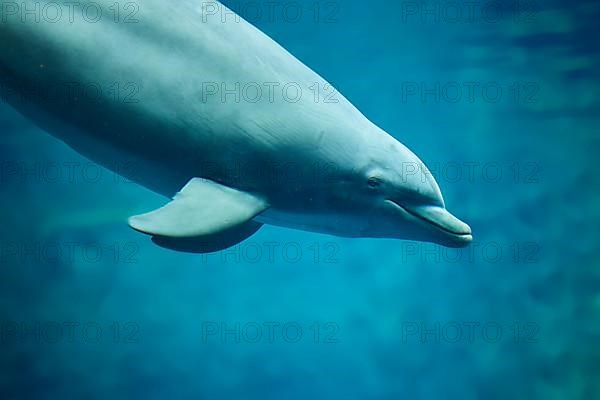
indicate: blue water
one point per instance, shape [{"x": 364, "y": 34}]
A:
[{"x": 91, "y": 309}]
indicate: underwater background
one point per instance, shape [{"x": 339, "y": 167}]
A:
[{"x": 502, "y": 102}]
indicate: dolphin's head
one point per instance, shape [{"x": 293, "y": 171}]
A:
[{"x": 403, "y": 200}]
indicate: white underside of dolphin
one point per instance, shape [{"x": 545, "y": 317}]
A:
[{"x": 195, "y": 133}]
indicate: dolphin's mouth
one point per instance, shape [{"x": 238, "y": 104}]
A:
[{"x": 439, "y": 219}]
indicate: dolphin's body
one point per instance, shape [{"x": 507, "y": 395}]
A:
[{"x": 175, "y": 93}]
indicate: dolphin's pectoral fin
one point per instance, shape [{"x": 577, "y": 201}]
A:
[{"x": 203, "y": 217}]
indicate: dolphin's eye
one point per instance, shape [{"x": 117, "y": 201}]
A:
[{"x": 374, "y": 182}]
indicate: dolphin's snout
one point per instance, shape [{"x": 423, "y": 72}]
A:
[
  {"x": 452, "y": 231},
  {"x": 441, "y": 218}
]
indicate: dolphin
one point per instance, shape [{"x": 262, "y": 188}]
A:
[{"x": 217, "y": 117}]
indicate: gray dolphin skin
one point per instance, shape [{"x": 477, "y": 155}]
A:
[{"x": 216, "y": 116}]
